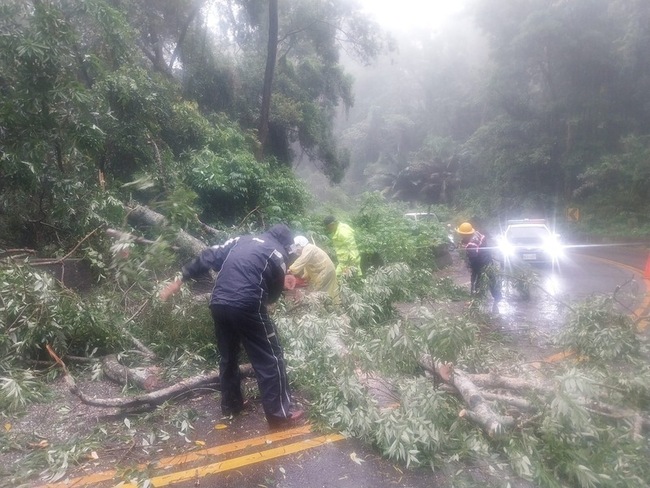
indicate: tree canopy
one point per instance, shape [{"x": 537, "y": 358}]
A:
[
  {"x": 528, "y": 96},
  {"x": 139, "y": 99}
]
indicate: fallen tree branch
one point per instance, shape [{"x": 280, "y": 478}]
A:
[
  {"x": 540, "y": 388},
  {"x": 489, "y": 380},
  {"x": 153, "y": 398},
  {"x": 638, "y": 421},
  {"x": 141, "y": 347},
  {"x": 518, "y": 403},
  {"x": 145, "y": 378},
  {"x": 219, "y": 234},
  {"x": 140, "y": 215},
  {"x": 478, "y": 409},
  {"x": 16, "y": 253},
  {"x": 157, "y": 397},
  {"x": 62, "y": 259}
]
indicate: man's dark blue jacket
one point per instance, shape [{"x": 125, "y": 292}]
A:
[{"x": 250, "y": 269}]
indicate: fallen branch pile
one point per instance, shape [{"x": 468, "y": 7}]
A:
[
  {"x": 121, "y": 374},
  {"x": 495, "y": 403}
]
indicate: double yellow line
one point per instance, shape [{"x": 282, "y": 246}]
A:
[{"x": 207, "y": 454}]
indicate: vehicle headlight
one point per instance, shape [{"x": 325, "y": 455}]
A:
[
  {"x": 506, "y": 249},
  {"x": 554, "y": 249}
]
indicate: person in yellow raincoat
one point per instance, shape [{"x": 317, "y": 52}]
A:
[
  {"x": 315, "y": 266},
  {"x": 345, "y": 245}
]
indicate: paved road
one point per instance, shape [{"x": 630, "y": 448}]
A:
[
  {"x": 247, "y": 455},
  {"x": 586, "y": 271}
]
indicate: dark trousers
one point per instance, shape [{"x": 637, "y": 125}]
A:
[
  {"x": 491, "y": 273},
  {"x": 256, "y": 332}
]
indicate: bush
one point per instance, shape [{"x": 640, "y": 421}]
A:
[{"x": 385, "y": 236}]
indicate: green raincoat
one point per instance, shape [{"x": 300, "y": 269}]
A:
[{"x": 347, "y": 254}]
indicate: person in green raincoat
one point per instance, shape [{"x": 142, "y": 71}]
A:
[
  {"x": 345, "y": 246},
  {"x": 314, "y": 265}
]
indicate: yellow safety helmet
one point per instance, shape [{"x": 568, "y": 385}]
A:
[{"x": 465, "y": 228}]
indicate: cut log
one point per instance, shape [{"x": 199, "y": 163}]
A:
[{"x": 145, "y": 378}]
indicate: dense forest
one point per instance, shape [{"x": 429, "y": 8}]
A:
[
  {"x": 529, "y": 106},
  {"x": 523, "y": 106},
  {"x": 134, "y": 132}
]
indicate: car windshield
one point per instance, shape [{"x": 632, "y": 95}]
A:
[{"x": 528, "y": 232}]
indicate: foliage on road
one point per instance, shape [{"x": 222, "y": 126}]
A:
[
  {"x": 358, "y": 366},
  {"x": 363, "y": 377}
]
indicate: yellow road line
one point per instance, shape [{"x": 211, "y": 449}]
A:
[
  {"x": 95, "y": 478},
  {"x": 220, "y": 467}
]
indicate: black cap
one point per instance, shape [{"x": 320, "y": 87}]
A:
[{"x": 330, "y": 219}]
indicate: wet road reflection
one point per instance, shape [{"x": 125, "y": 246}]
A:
[{"x": 554, "y": 289}]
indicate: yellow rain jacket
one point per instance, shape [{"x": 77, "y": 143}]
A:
[
  {"x": 317, "y": 268},
  {"x": 347, "y": 253}
]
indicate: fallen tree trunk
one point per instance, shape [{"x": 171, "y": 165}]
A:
[
  {"x": 145, "y": 378},
  {"x": 140, "y": 215},
  {"x": 478, "y": 409},
  {"x": 157, "y": 397}
]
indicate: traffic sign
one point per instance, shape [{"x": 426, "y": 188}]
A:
[{"x": 573, "y": 214}]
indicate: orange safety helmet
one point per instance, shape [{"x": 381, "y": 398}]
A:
[{"x": 465, "y": 229}]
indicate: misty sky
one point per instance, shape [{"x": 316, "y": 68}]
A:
[{"x": 404, "y": 14}]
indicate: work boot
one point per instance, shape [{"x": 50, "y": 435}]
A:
[
  {"x": 295, "y": 418},
  {"x": 231, "y": 411}
]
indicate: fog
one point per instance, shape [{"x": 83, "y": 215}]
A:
[{"x": 405, "y": 15}]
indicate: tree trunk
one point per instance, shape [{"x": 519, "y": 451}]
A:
[
  {"x": 478, "y": 409},
  {"x": 140, "y": 215},
  {"x": 145, "y": 378},
  {"x": 271, "y": 55}
]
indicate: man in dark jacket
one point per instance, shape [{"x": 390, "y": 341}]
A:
[
  {"x": 479, "y": 259},
  {"x": 251, "y": 271}
]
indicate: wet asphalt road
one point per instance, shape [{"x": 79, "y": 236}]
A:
[{"x": 586, "y": 271}]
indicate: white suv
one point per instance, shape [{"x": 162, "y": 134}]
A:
[{"x": 531, "y": 241}]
